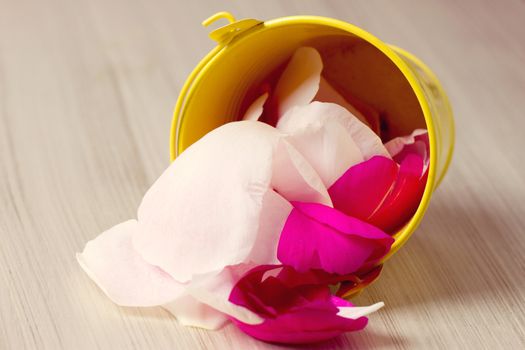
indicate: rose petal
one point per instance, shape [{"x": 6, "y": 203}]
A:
[
  {"x": 204, "y": 212},
  {"x": 330, "y": 138},
  {"x": 355, "y": 312},
  {"x": 403, "y": 200},
  {"x": 274, "y": 213},
  {"x": 255, "y": 110},
  {"x": 380, "y": 192},
  {"x": 363, "y": 188},
  {"x": 122, "y": 274},
  {"x": 323, "y": 141},
  {"x": 293, "y": 315},
  {"x": 194, "y": 313},
  {"x": 327, "y": 93},
  {"x": 319, "y": 237},
  {"x": 295, "y": 178},
  {"x": 213, "y": 289},
  {"x": 415, "y": 143},
  {"x": 303, "y": 327},
  {"x": 299, "y": 82},
  {"x": 396, "y": 145}
]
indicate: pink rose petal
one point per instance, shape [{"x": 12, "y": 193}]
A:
[
  {"x": 205, "y": 303},
  {"x": 213, "y": 289},
  {"x": 122, "y": 274},
  {"x": 416, "y": 143},
  {"x": 327, "y": 93},
  {"x": 194, "y": 313},
  {"x": 295, "y": 178},
  {"x": 319, "y": 237},
  {"x": 255, "y": 110},
  {"x": 330, "y": 138},
  {"x": 274, "y": 213},
  {"x": 321, "y": 138},
  {"x": 204, "y": 212},
  {"x": 298, "y": 314},
  {"x": 299, "y": 82},
  {"x": 396, "y": 145}
]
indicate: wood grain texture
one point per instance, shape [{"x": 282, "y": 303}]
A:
[{"x": 86, "y": 95}]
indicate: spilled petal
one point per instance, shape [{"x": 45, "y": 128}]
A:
[
  {"x": 274, "y": 213},
  {"x": 122, "y": 274},
  {"x": 204, "y": 212},
  {"x": 293, "y": 313},
  {"x": 194, "y": 313},
  {"x": 319, "y": 237},
  {"x": 214, "y": 289}
]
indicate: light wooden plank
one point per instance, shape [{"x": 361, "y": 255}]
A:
[{"x": 86, "y": 95}]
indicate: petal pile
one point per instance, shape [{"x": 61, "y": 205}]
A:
[
  {"x": 223, "y": 202},
  {"x": 267, "y": 221},
  {"x": 294, "y": 313}
]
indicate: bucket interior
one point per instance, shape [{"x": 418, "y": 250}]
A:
[{"x": 360, "y": 72}]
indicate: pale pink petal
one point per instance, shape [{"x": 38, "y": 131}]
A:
[
  {"x": 122, "y": 274},
  {"x": 204, "y": 212},
  {"x": 326, "y": 145},
  {"x": 205, "y": 303},
  {"x": 214, "y": 289},
  {"x": 255, "y": 110},
  {"x": 191, "y": 312},
  {"x": 274, "y": 213},
  {"x": 327, "y": 93},
  {"x": 295, "y": 178},
  {"x": 354, "y": 312},
  {"x": 330, "y": 138},
  {"x": 416, "y": 143},
  {"x": 299, "y": 82},
  {"x": 397, "y": 144}
]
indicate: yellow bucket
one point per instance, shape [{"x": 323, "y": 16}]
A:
[{"x": 381, "y": 75}]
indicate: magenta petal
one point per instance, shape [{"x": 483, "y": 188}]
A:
[
  {"x": 303, "y": 327},
  {"x": 316, "y": 236},
  {"x": 403, "y": 201},
  {"x": 362, "y": 188},
  {"x": 301, "y": 314},
  {"x": 381, "y": 192}
]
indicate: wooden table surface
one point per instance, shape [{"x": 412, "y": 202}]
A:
[{"x": 87, "y": 90}]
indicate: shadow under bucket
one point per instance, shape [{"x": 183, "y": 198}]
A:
[{"x": 406, "y": 94}]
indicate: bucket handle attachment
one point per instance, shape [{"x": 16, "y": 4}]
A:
[{"x": 227, "y": 33}]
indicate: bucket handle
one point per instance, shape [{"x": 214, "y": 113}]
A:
[{"x": 227, "y": 33}]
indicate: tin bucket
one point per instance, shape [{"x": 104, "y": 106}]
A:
[{"x": 387, "y": 77}]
